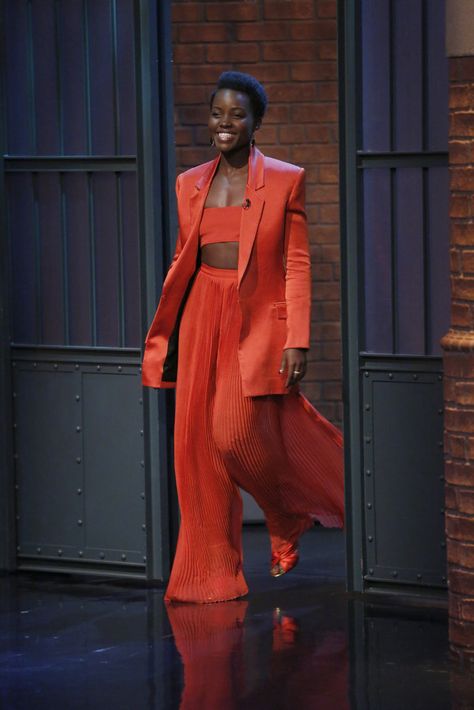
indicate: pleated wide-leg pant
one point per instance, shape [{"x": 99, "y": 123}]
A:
[{"x": 277, "y": 447}]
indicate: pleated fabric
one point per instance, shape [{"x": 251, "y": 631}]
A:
[{"x": 277, "y": 447}]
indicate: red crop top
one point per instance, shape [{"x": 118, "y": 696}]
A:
[{"x": 220, "y": 224}]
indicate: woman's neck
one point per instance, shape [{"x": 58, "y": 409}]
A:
[{"x": 235, "y": 162}]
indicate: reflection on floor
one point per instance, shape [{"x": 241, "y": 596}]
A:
[{"x": 295, "y": 642}]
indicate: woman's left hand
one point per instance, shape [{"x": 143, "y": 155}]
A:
[{"x": 294, "y": 362}]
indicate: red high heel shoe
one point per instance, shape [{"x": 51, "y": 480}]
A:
[{"x": 283, "y": 562}]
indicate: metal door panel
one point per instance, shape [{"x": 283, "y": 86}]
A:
[
  {"x": 47, "y": 446},
  {"x": 114, "y": 462},
  {"x": 403, "y": 474}
]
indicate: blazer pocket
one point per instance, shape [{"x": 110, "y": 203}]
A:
[{"x": 280, "y": 308}]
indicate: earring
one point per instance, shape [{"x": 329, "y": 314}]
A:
[{"x": 211, "y": 141}]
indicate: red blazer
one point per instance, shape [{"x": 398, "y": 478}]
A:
[{"x": 274, "y": 274}]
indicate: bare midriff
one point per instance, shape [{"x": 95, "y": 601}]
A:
[{"x": 221, "y": 255}]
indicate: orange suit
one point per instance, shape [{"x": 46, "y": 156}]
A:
[{"x": 218, "y": 335}]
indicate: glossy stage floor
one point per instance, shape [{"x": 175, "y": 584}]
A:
[{"x": 296, "y": 642}]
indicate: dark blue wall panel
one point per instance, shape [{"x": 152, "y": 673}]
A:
[
  {"x": 409, "y": 323},
  {"x": 378, "y": 260},
  {"x": 80, "y": 306},
  {"x": 407, "y": 75},
  {"x": 375, "y": 63},
  {"x": 73, "y": 74},
  {"x": 438, "y": 286},
  {"x": 404, "y": 117},
  {"x": 436, "y": 77},
  {"x": 23, "y": 227}
]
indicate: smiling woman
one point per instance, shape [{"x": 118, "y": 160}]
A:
[{"x": 231, "y": 332}]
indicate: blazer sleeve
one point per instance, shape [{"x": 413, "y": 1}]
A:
[
  {"x": 179, "y": 240},
  {"x": 298, "y": 268}
]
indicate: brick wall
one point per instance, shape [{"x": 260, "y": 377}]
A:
[
  {"x": 290, "y": 46},
  {"x": 459, "y": 363}
]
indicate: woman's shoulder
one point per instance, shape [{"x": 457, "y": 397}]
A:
[
  {"x": 280, "y": 167},
  {"x": 192, "y": 174}
]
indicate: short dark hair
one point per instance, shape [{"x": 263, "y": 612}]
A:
[{"x": 247, "y": 84}]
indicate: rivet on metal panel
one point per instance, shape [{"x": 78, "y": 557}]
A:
[
  {"x": 80, "y": 553},
  {"x": 119, "y": 368},
  {"x": 38, "y": 550},
  {"x": 440, "y": 410},
  {"x": 440, "y": 444},
  {"x": 366, "y": 374},
  {"x": 139, "y": 369},
  {"x": 142, "y": 495},
  {"x": 78, "y": 459},
  {"x": 144, "y": 558},
  {"x": 35, "y": 364},
  {"x": 367, "y": 407},
  {"x": 55, "y": 366},
  {"x": 368, "y": 439},
  {"x": 78, "y": 428},
  {"x": 98, "y": 367},
  {"x": 394, "y": 573},
  {"x": 102, "y": 555},
  {"x": 443, "y": 579},
  {"x": 78, "y": 397},
  {"x": 140, "y": 401},
  {"x": 14, "y": 395},
  {"x": 141, "y": 432},
  {"x": 79, "y": 522},
  {"x": 143, "y": 526},
  {"x": 123, "y": 556},
  {"x": 390, "y": 375},
  {"x": 368, "y": 472},
  {"x": 369, "y": 505},
  {"x": 370, "y": 538},
  {"x": 60, "y": 552},
  {"x": 15, "y": 425},
  {"x": 419, "y": 576},
  {"x": 371, "y": 571},
  {"x": 415, "y": 376},
  {"x": 76, "y": 366},
  {"x": 79, "y": 491},
  {"x": 142, "y": 464},
  {"x": 17, "y": 486},
  {"x": 440, "y": 377}
]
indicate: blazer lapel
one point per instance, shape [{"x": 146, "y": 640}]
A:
[
  {"x": 252, "y": 211},
  {"x": 196, "y": 205}
]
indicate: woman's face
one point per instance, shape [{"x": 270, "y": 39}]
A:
[{"x": 231, "y": 120}]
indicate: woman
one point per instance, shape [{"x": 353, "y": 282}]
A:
[{"x": 236, "y": 300}]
